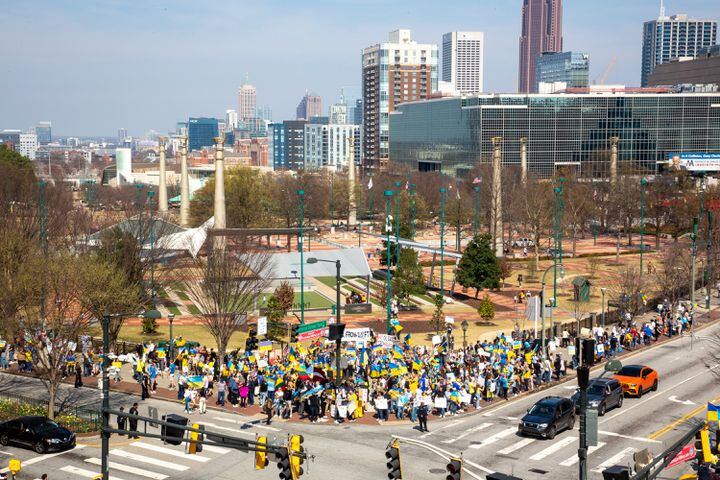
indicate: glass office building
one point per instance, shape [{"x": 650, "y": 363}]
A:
[
  {"x": 571, "y": 68},
  {"x": 563, "y": 131},
  {"x": 202, "y": 132}
]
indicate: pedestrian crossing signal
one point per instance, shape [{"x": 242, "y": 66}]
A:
[
  {"x": 392, "y": 453},
  {"x": 296, "y": 460},
  {"x": 454, "y": 469},
  {"x": 283, "y": 463},
  {"x": 261, "y": 460},
  {"x": 294, "y": 333}
]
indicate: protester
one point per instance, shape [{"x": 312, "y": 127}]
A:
[{"x": 133, "y": 421}]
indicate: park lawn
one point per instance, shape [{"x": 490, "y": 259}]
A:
[
  {"x": 193, "y": 309},
  {"x": 312, "y": 300},
  {"x": 329, "y": 281},
  {"x": 197, "y": 333},
  {"x": 174, "y": 310},
  {"x": 182, "y": 295}
]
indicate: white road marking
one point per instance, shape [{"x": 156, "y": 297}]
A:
[
  {"x": 673, "y": 398},
  {"x": 442, "y": 427},
  {"x": 151, "y": 460},
  {"x": 557, "y": 446},
  {"x": 574, "y": 459},
  {"x": 82, "y": 472},
  {"x": 249, "y": 424},
  {"x": 127, "y": 468},
  {"x": 44, "y": 457},
  {"x": 214, "y": 449},
  {"x": 637, "y": 439},
  {"x": 516, "y": 446},
  {"x": 469, "y": 432},
  {"x": 228, "y": 429},
  {"x": 494, "y": 438},
  {"x": 613, "y": 460},
  {"x": 170, "y": 451}
]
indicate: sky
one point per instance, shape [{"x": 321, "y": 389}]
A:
[{"x": 94, "y": 66}]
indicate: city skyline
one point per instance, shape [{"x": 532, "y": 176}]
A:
[{"x": 93, "y": 69}]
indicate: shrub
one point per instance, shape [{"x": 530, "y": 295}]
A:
[{"x": 149, "y": 325}]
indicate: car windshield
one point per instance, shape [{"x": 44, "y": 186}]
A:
[
  {"x": 596, "y": 389},
  {"x": 45, "y": 426},
  {"x": 542, "y": 410},
  {"x": 630, "y": 371}
]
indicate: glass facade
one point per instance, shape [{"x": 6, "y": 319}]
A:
[
  {"x": 201, "y": 132},
  {"x": 572, "y": 68},
  {"x": 455, "y": 134}
]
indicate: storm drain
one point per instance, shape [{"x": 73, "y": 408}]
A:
[{"x": 537, "y": 470}]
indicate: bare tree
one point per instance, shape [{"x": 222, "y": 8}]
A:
[
  {"x": 537, "y": 213},
  {"x": 626, "y": 289},
  {"x": 673, "y": 277}
]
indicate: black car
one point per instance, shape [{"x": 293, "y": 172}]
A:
[
  {"x": 39, "y": 433},
  {"x": 548, "y": 417},
  {"x": 603, "y": 394}
]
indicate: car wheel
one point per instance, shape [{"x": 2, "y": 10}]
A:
[
  {"x": 4, "y": 440},
  {"x": 40, "y": 447},
  {"x": 654, "y": 387},
  {"x": 620, "y": 400},
  {"x": 601, "y": 410},
  {"x": 551, "y": 433}
]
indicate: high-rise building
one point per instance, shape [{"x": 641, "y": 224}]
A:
[
  {"x": 400, "y": 70},
  {"x": 231, "y": 119},
  {"x": 201, "y": 132},
  {"x": 276, "y": 145},
  {"x": 264, "y": 113},
  {"x": 541, "y": 32},
  {"x": 28, "y": 144},
  {"x": 247, "y": 100},
  {"x": 338, "y": 114},
  {"x": 122, "y": 135},
  {"x": 357, "y": 113},
  {"x": 310, "y": 106},
  {"x": 570, "y": 68},
  {"x": 43, "y": 130},
  {"x": 328, "y": 145},
  {"x": 673, "y": 37},
  {"x": 462, "y": 61},
  {"x": 701, "y": 70}
]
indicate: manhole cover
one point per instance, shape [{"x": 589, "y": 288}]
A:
[
  {"x": 437, "y": 470},
  {"x": 537, "y": 470}
]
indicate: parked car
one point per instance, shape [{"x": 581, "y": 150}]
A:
[
  {"x": 39, "y": 433},
  {"x": 637, "y": 379},
  {"x": 603, "y": 394},
  {"x": 523, "y": 242},
  {"x": 548, "y": 417}
]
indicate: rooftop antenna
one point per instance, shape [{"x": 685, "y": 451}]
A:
[{"x": 662, "y": 8}]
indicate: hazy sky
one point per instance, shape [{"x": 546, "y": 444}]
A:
[{"x": 92, "y": 66}]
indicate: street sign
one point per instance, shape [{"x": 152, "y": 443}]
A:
[
  {"x": 306, "y": 327},
  {"x": 591, "y": 425},
  {"x": 262, "y": 326},
  {"x": 686, "y": 454},
  {"x": 312, "y": 334}
]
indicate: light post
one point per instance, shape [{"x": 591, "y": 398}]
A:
[
  {"x": 694, "y": 258},
  {"x": 708, "y": 246},
  {"x": 442, "y": 242},
  {"x": 464, "y": 326},
  {"x": 359, "y": 214},
  {"x": 313, "y": 260},
  {"x": 602, "y": 307},
  {"x": 542, "y": 304},
  {"x": 643, "y": 182},
  {"x": 152, "y": 248},
  {"x": 397, "y": 223},
  {"x": 301, "y": 194},
  {"x": 139, "y": 187},
  {"x": 557, "y": 191},
  {"x": 332, "y": 199},
  {"x": 388, "y": 230},
  {"x": 477, "y": 208},
  {"x": 171, "y": 343},
  {"x": 412, "y": 211}
]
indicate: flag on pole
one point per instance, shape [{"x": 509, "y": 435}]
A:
[
  {"x": 370, "y": 184},
  {"x": 712, "y": 412},
  {"x": 477, "y": 180}
]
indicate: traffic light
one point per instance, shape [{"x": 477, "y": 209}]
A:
[
  {"x": 196, "y": 439},
  {"x": 703, "y": 451},
  {"x": 261, "y": 460},
  {"x": 454, "y": 469},
  {"x": 173, "y": 435},
  {"x": 294, "y": 332},
  {"x": 588, "y": 351},
  {"x": 392, "y": 453},
  {"x": 283, "y": 463},
  {"x": 296, "y": 460}
]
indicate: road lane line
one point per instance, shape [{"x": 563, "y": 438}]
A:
[
  {"x": 516, "y": 446},
  {"x": 171, "y": 452},
  {"x": 151, "y": 460},
  {"x": 627, "y": 437},
  {"x": 613, "y": 460},
  {"x": 44, "y": 457},
  {"x": 443, "y": 427},
  {"x": 227, "y": 429},
  {"x": 214, "y": 449},
  {"x": 82, "y": 472},
  {"x": 445, "y": 454},
  {"x": 695, "y": 411},
  {"x": 557, "y": 446},
  {"x": 574, "y": 459},
  {"x": 249, "y": 424},
  {"x": 469, "y": 432},
  {"x": 494, "y": 438},
  {"x": 129, "y": 469}
]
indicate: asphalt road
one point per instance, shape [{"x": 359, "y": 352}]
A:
[{"x": 488, "y": 440}]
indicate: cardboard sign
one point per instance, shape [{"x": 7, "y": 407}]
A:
[
  {"x": 436, "y": 340},
  {"x": 386, "y": 340},
  {"x": 600, "y": 348},
  {"x": 440, "y": 402},
  {"x": 355, "y": 334},
  {"x": 262, "y": 326}
]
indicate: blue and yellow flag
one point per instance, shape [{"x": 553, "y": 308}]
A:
[{"x": 712, "y": 412}]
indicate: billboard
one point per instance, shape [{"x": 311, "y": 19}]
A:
[{"x": 696, "y": 162}]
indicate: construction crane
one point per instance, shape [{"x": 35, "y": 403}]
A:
[{"x": 606, "y": 74}]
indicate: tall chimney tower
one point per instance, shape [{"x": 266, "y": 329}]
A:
[
  {"x": 523, "y": 159},
  {"x": 184, "y": 184},
  {"x": 162, "y": 187},
  {"x": 352, "y": 220},
  {"x": 219, "y": 204},
  {"x": 497, "y": 196},
  {"x": 614, "y": 158}
]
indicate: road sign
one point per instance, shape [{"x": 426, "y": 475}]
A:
[
  {"x": 312, "y": 334},
  {"x": 686, "y": 454},
  {"x": 306, "y": 327}
]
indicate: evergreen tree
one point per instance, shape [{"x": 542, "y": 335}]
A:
[
  {"x": 408, "y": 279},
  {"x": 479, "y": 267},
  {"x": 486, "y": 309}
]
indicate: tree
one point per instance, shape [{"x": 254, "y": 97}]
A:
[
  {"x": 286, "y": 296},
  {"x": 457, "y": 214},
  {"x": 486, "y": 309},
  {"x": 9, "y": 157},
  {"x": 505, "y": 270},
  {"x": 408, "y": 279},
  {"x": 673, "y": 277},
  {"x": 578, "y": 207},
  {"x": 537, "y": 213},
  {"x": 404, "y": 233},
  {"x": 438, "y": 318},
  {"x": 479, "y": 267},
  {"x": 224, "y": 286},
  {"x": 279, "y": 303},
  {"x": 626, "y": 289}
]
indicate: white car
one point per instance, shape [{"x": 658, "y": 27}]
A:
[{"x": 523, "y": 242}]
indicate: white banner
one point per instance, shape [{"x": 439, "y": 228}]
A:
[
  {"x": 356, "y": 334},
  {"x": 386, "y": 340},
  {"x": 262, "y": 326}
]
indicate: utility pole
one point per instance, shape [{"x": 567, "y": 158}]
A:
[
  {"x": 332, "y": 200},
  {"x": 708, "y": 247},
  {"x": 477, "y": 207},
  {"x": 301, "y": 194},
  {"x": 388, "y": 230},
  {"x": 152, "y": 248},
  {"x": 443, "y": 193}
]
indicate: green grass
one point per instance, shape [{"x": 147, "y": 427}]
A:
[
  {"x": 312, "y": 300},
  {"x": 330, "y": 281},
  {"x": 193, "y": 309},
  {"x": 197, "y": 333},
  {"x": 182, "y": 295},
  {"x": 174, "y": 310}
]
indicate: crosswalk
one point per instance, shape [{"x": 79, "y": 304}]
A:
[{"x": 501, "y": 436}]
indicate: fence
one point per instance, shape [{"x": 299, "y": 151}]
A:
[{"x": 76, "y": 419}]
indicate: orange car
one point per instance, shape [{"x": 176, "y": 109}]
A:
[{"x": 637, "y": 379}]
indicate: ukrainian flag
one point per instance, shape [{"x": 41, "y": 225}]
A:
[{"x": 712, "y": 412}]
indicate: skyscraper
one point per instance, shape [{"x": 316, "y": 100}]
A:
[
  {"x": 247, "y": 100},
  {"x": 400, "y": 70},
  {"x": 201, "y": 132},
  {"x": 673, "y": 37},
  {"x": 462, "y": 61},
  {"x": 43, "y": 130},
  {"x": 570, "y": 68},
  {"x": 231, "y": 119},
  {"x": 310, "y": 106},
  {"x": 122, "y": 134},
  {"x": 541, "y": 32}
]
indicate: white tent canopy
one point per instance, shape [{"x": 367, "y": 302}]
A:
[{"x": 353, "y": 263}]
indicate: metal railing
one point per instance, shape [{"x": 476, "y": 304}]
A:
[{"x": 74, "y": 418}]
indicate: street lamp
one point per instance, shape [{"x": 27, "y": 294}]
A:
[
  {"x": 171, "y": 344},
  {"x": 443, "y": 193},
  {"x": 301, "y": 194},
  {"x": 313, "y": 260},
  {"x": 397, "y": 223},
  {"x": 708, "y": 246},
  {"x": 542, "y": 303},
  {"x": 602, "y": 306},
  {"x": 643, "y": 182},
  {"x": 152, "y": 248},
  {"x": 464, "y": 326},
  {"x": 557, "y": 248},
  {"x": 388, "y": 230}
]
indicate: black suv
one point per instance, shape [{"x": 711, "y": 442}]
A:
[
  {"x": 39, "y": 433},
  {"x": 603, "y": 394},
  {"x": 548, "y": 417}
]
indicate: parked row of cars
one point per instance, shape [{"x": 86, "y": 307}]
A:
[{"x": 553, "y": 414}]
